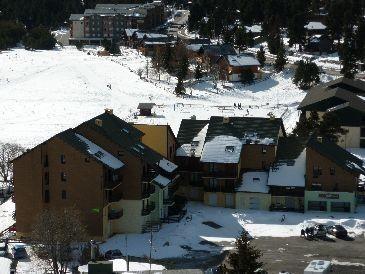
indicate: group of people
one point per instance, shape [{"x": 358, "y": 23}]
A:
[{"x": 308, "y": 232}]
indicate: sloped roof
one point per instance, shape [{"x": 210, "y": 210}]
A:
[
  {"x": 323, "y": 99},
  {"x": 289, "y": 169},
  {"x": 189, "y": 128},
  {"x": 250, "y": 129},
  {"x": 76, "y": 17},
  {"x": 315, "y": 26},
  {"x": 356, "y": 86},
  {"x": 87, "y": 147},
  {"x": 338, "y": 155},
  {"x": 219, "y": 50},
  {"x": 128, "y": 137},
  {"x": 242, "y": 60},
  {"x": 222, "y": 149}
]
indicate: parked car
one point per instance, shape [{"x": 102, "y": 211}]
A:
[
  {"x": 113, "y": 254},
  {"x": 320, "y": 231},
  {"x": 337, "y": 230},
  {"x": 18, "y": 252}
]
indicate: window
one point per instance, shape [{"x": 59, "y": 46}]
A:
[
  {"x": 317, "y": 205},
  {"x": 63, "y": 159},
  {"x": 317, "y": 171},
  {"x": 332, "y": 171},
  {"x": 63, "y": 194},
  {"x": 264, "y": 150},
  {"x": 87, "y": 160},
  {"x": 46, "y": 161},
  {"x": 362, "y": 132},
  {"x": 340, "y": 206},
  {"x": 362, "y": 143},
  {"x": 63, "y": 176},
  {"x": 46, "y": 178},
  {"x": 316, "y": 186},
  {"x": 213, "y": 184},
  {"x": 46, "y": 196}
]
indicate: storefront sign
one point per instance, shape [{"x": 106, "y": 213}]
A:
[{"x": 328, "y": 195}]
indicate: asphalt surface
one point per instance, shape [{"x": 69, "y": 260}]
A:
[{"x": 293, "y": 254}]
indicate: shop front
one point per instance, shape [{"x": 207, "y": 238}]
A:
[{"x": 330, "y": 201}]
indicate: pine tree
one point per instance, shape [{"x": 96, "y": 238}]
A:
[
  {"x": 183, "y": 68},
  {"x": 305, "y": 126},
  {"x": 180, "y": 89},
  {"x": 348, "y": 55},
  {"x": 280, "y": 60},
  {"x": 296, "y": 30},
  {"x": 198, "y": 72},
  {"x": 250, "y": 42},
  {"x": 245, "y": 260},
  {"x": 260, "y": 55},
  {"x": 330, "y": 127},
  {"x": 306, "y": 75},
  {"x": 39, "y": 38},
  {"x": 240, "y": 38},
  {"x": 167, "y": 56}
]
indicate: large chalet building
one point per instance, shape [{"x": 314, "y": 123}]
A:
[
  {"x": 108, "y": 21},
  {"x": 102, "y": 168}
]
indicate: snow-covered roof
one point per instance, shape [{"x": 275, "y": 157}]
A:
[
  {"x": 195, "y": 148},
  {"x": 194, "y": 47},
  {"x": 254, "y": 182},
  {"x": 254, "y": 28},
  {"x": 130, "y": 32},
  {"x": 76, "y": 17},
  {"x": 289, "y": 173},
  {"x": 315, "y": 26},
  {"x": 100, "y": 154},
  {"x": 161, "y": 180},
  {"x": 167, "y": 165},
  {"x": 359, "y": 153},
  {"x": 242, "y": 60},
  {"x": 222, "y": 149}
]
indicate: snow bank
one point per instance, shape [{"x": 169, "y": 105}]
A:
[
  {"x": 5, "y": 265},
  {"x": 6, "y": 214},
  {"x": 121, "y": 265}
]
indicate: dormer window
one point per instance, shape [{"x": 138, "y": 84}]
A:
[{"x": 229, "y": 148}]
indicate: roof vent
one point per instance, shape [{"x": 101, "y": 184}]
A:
[
  {"x": 225, "y": 120},
  {"x": 109, "y": 111},
  {"x": 99, "y": 122}
]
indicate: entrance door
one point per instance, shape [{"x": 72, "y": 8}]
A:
[
  {"x": 213, "y": 199},
  {"x": 229, "y": 200},
  {"x": 290, "y": 202},
  {"x": 254, "y": 203}
]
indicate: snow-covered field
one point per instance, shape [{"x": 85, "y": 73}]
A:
[
  {"x": 175, "y": 240},
  {"x": 45, "y": 92}
]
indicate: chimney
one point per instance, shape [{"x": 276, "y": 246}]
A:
[
  {"x": 109, "y": 111},
  {"x": 99, "y": 122},
  {"x": 225, "y": 120}
]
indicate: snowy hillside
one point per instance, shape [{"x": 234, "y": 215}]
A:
[{"x": 45, "y": 92}]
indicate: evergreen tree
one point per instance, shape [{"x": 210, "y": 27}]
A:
[
  {"x": 179, "y": 89},
  {"x": 247, "y": 76},
  {"x": 250, "y": 42},
  {"x": 157, "y": 61},
  {"x": 296, "y": 30},
  {"x": 281, "y": 59},
  {"x": 330, "y": 128},
  {"x": 305, "y": 126},
  {"x": 198, "y": 72},
  {"x": 240, "y": 38},
  {"x": 360, "y": 40},
  {"x": 245, "y": 260},
  {"x": 306, "y": 75},
  {"x": 39, "y": 38},
  {"x": 348, "y": 56},
  {"x": 167, "y": 57},
  {"x": 183, "y": 68},
  {"x": 260, "y": 55},
  {"x": 11, "y": 33}
]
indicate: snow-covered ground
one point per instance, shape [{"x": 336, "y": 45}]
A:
[
  {"x": 45, "y": 92},
  {"x": 175, "y": 240},
  {"x": 6, "y": 214},
  {"x": 121, "y": 265}
]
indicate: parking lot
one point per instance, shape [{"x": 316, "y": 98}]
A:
[{"x": 293, "y": 254}]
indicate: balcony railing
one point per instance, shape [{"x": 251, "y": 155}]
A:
[
  {"x": 114, "y": 215},
  {"x": 148, "y": 209},
  {"x": 227, "y": 188},
  {"x": 220, "y": 174}
]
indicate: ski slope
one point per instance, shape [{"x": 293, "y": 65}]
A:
[{"x": 45, "y": 92}]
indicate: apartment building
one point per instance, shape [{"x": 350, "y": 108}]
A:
[
  {"x": 344, "y": 98},
  {"x": 108, "y": 21},
  {"x": 103, "y": 169},
  {"x": 214, "y": 154}
]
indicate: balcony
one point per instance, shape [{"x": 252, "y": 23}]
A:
[
  {"x": 226, "y": 188},
  {"x": 148, "y": 209},
  {"x": 115, "y": 214},
  {"x": 220, "y": 174},
  {"x": 148, "y": 191}
]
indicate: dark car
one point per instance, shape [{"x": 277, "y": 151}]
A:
[
  {"x": 320, "y": 231},
  {"x": 18, "y": 251},
  {"x": 113, "y": 254},
  {"x": 337, "y": 230}
]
